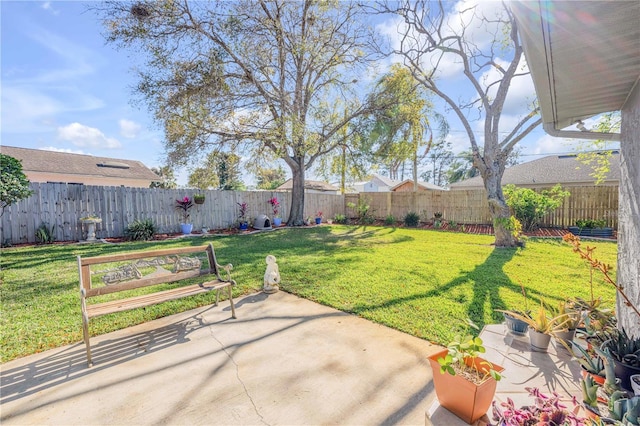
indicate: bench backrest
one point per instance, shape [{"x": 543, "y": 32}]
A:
[{"x": 144, "y": 268}]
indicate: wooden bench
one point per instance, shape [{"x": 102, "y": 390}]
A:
[{"x": 109, "y": 274}]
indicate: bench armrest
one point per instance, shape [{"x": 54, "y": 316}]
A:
[{"x": 227, "y": 268}]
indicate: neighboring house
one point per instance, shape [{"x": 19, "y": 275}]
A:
[
  {"x": 377, "y": 183},
  {"x": 584, "y": 58},
  {"x": 52, "y": 166},
  {"x": 548, "y": 171},
  {"x": 407, "y": 186},
  {"x": 311, "y": 186}
]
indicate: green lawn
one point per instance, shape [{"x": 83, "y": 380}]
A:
[{"x": 421, "y": 282}]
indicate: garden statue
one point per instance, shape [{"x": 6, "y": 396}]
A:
[{"x": 271, "y": 275}]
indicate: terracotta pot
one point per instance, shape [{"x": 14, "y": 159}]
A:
[
  {"x": 460, "y": 396},
  {"x": 596, "y": 378},
  {"x": 539, "y": 341}
]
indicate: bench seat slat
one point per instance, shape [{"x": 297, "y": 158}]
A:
[{"x": 120, "y": 305}]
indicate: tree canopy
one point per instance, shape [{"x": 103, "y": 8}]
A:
[
  {"x": 254, "y": 75},
  {"x": 167, "y": 178},
  {"x": 14, "y": 185}
]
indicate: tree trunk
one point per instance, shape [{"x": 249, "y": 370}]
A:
[
  {"x": 499, "y": 212},
  {"x": 296, "y": 214}
]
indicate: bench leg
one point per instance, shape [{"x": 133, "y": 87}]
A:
[
  {"x": 233, "y": 308},
  {"x": 85, "y": 333}
]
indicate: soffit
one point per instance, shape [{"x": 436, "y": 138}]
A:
[{"x": 584, "y": 56}]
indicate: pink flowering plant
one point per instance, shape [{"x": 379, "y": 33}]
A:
[
  {"x": 184, "y": 205},
  {"x": 319, "y": 214},
  {"x": 275, "y": 206},
  {"x": 242, "y": 213},
  {"x": 546, "y": 410}
]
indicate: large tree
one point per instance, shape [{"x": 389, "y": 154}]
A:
[
  {"x": 481, "y": 43},
  {"x": 167, "y": 178},
  {"x": 270, "y": 178},
  {"x": 255, "y": 74},
  {"x": 403, "y": 131}
]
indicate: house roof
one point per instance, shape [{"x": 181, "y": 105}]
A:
[
  {"x": 385, "y": 180},
  {"x": 38, "y": 160},
  {"x": 547, "y": 171},
  {"x": 309, "y": 184},
  {"x": 425, "y": 185},
  {"x": 584, "y": 56}
]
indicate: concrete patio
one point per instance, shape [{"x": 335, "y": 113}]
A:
[{"x": 285, "y": 360}]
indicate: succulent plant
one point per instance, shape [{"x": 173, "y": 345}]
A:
[{"x": 589, "y": 391}]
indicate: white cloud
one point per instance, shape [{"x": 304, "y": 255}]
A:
[
  {"x": 85, "y": 136},
  {"x": 32, "y": 109},
  {"x": 129, "y": 129},
  {"x": 48, "y": 7},
  {"x": 548, "y": 144}
]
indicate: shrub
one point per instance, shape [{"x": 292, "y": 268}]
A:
[
  {"x": 140, "y": 230},
  {"x": 14, "y": 185},
  {"x": 363, "y": 214},
  {"x": 411, "y": 219},
  {"x": 591, "y": 223},
  {"x": 389, "y": 220},
  {"x": 340, "y": 218},
  {"x": 44, "y": 234},
  {"x": 529, "y": 206}
]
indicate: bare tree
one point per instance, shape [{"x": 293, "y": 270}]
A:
[
  {"x": 248, "y": 74},
  {"x": 433, "y": 35}
]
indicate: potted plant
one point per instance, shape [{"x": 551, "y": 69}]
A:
[
  {"x": 569, "y": 318},
  {"x": 545, "y": 410},
  {"x": 199, "y": 198},
  {"x": 464, "y": 382},
  {"x": 635, "y": 384},
  {"x": 514, "y": 325},
  {"x": 275, "y": 206},
  {"x": 618, "y": 407},
  {"x": 242, "y": 216},
  {"x": 318, "y": 218},
  {"x": 591, "y": 364},
  {"x": 183, "y": 206},
  {"x": 625, "y": 352},
  {"x": 591, "y": 228},
  {"x": 541, "y": 326}
]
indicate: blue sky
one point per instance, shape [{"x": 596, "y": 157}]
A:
[{"x": 64, "y": 88}]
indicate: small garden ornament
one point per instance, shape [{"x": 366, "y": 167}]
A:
[{"x": 271, "y": 275}]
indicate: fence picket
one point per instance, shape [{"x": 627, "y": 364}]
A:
[{"x": 63, "y": 205}]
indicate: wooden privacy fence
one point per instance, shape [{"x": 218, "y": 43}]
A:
[
  {"x": 471, "y": 206},
  {"x": 60, "y": 206}
]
